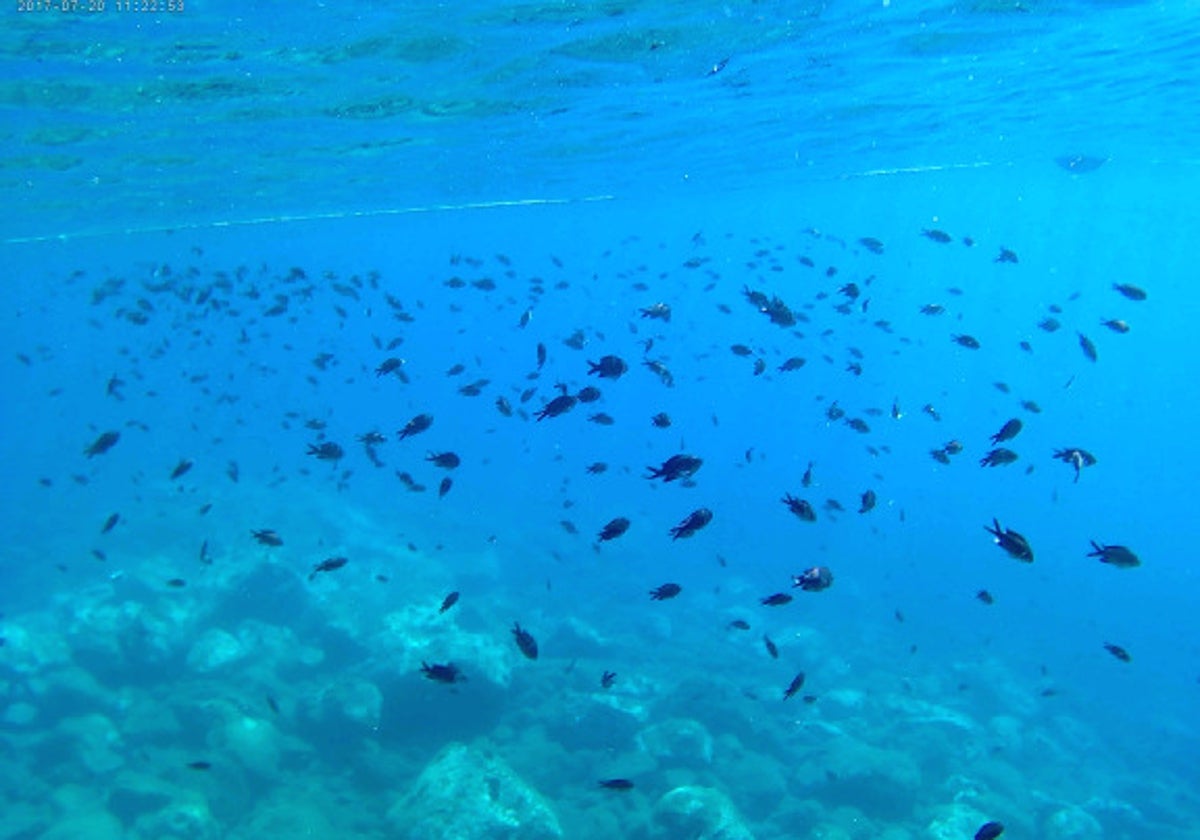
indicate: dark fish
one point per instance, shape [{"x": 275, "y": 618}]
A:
[
  {"x": 273, "y": 704},
  {"x": 665, "y": 592},
  {"x": 110, "y": 523},
  {"x": 871, "y": 244},
  {"x": 770, "y": 646},
  {"x": 1079, "y": 164},
  {"x": 177, "y": 583},
  {"x": 998, "y": 457},
  {"x": 504, "y": 407},
  {"x": 266, "y": 536},
  {"x": 661, "y": 311},
  {"x": 937, "y": 235},
  {"x": 794, "y": 363},
  {"x": 448, "y": 602},
  {"x": 616, "y": 784},
  {"x": 800, "y": 507},
  {"x": 989, "y": 831},
  {"x": 444, "y": 486},
  {"x": 1078, "y": 458},
  {"x": 695, "y": 520},
  {"x": 568, "y": 526},
  {"x": 868, "y": 501},
  {"x": 456, "y": 369},
  {"x": 816, "y": 579},
  {"x": 970, "y": 342},
  {"x": 795, "y": 685},
  {"x": 1012, "y": 542},
  {"x": 597, "y": 467},
  {"x": 205, "y": 557},
  {"x": 1118, "y": 651},
  {"x": 807, "y": 479},
  {"x": 199, "y": 765},
  {"x": 327, "y": 565},
  {"x": 445, "y": 460},
  {"x": 932, "y": 309},
  {"x": 776, "y": 600},
  {"x": 182, "y": 467},
  {"x": 1049, "y": 324},
  {"x": 660, "y": 370},
  {"x": 676, "y": 467},
  {"x": 614, "y": 529},
  {"x": 985, "y": 596},
  {"x": 607, "y": 679},
  {"x": 102, "y": 444},
  {"x": 601, "y": 419},
  {"x": 232, "y": 471},
  {"x": 741, "y": 350},
  {"x": 1007, "y": 255},
  {"x": 390, "y": 365},
  {"x": 326, "y": 451},
  {"x": 525, "y": 641},
  {"x": 1089, "y": 349},
  {"x": 1008, "y": 431},
  {"x": 662, "y": 420},
  {"x": 609, "y": 367},
  {"x": 541, "y": 355},
  {"x": 447, "y": 673},
  {"x": 559, "y": 405},
  {"x": 589, "y": 394},
  {"x": 1115, "y": 555},
  {"x": 1130, "y": 291},
  {"x": 415, "y": 426}
]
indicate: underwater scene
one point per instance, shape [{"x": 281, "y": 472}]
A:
[{"x": 600, "y": 420}]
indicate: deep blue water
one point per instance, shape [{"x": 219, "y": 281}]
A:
[{"x": 223, "y": 221}]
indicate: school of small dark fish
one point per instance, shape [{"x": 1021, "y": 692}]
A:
[{"x": 808, "y": 305}]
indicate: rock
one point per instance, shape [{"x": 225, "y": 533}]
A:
[
  {"x": 856, "y": 774},
  {"x": 464, "y": 794},
  {"x": 955, "y": 822},
  {"x": 97, "y": 742},
  {"x": 699, "y": 813},
  {"x": 185, "y": 818},
  {"x": 92, "y": 825},
  {"x": 1072, "y": 823},
  {"x": 213, "y": 650},
  {"x": 679, "y": 738},
  {"x": 19, "y": 714},
  {"x": 358, "y": 701},
  {"x": 255, "y": 742}
]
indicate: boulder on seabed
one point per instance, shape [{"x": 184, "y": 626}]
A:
[
  {"x": 358, "y": 701},
  {"x": 700, "y": 813},
  {"x": 1072, "y": 823},
  {"x": 214, "y": 649},
  {"x": 464, "y": 794},
  {"x": 678, "y": 738},
  {"x": 98, "y": 744}
]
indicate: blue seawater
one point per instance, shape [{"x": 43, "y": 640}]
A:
[{"x": 223, "y": 219}]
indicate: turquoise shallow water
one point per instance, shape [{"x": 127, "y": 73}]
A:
[{"x": 328, "y": 190}]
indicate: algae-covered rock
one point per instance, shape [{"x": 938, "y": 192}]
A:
[
  {"x": 464, "y": 794},
  {"x": 955, "y": 821},
  {"x": 213, "y": 650},
  {"x": 255, "y": 743},
  {"x": 700, "y": 813},
  {"x": 358, "y": 701},
  {"x": 98, "y": 745},
  {"x": 1072, "y": 823},
  {"x": 186, "y": 817},
  {"x": 680, "y": 739},
  {"x": 90, "y": 825}
]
